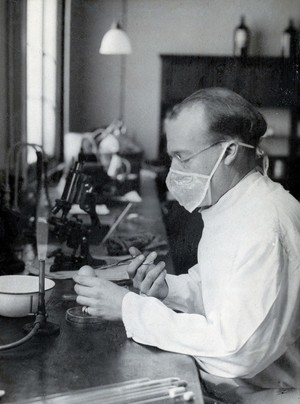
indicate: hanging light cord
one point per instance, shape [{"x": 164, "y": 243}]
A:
[{"x": 123, "y": 63}]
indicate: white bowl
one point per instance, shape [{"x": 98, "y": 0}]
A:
[{"x": 19, "y": 294}]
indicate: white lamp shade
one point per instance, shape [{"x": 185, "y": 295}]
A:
[{"x": 115, "y": 42}]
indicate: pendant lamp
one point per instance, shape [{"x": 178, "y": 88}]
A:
[{"x": 115, "y": 42}]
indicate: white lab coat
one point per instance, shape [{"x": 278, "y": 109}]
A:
[{"x": 241, "y": 303}]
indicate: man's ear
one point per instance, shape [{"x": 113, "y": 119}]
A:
[{"x": 231, "y": 153}]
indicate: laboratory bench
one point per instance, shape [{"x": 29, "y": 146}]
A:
[
  {"x": 81, "y": 357},
  {"x": 86, "y": 356}
]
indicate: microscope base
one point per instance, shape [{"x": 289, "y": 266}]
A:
[{"x": 73, "y": 263}]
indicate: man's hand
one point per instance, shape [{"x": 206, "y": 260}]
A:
[
  {"x": 103, "y": 298},
  {"x": 150, "y": 279}
]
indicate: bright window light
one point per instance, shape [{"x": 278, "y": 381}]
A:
[{"x": 41, "y": 75}]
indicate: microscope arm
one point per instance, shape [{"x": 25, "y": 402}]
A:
[{"x": 78, "y": 190}]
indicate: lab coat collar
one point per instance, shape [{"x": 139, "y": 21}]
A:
[{"x": 234, "y": 195}]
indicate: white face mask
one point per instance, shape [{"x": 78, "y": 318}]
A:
[{"x": 190, "y": 189}]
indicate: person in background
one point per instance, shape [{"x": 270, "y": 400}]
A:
[{"x": 237, "y": 311}]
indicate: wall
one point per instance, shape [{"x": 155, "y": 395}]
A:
[
  {"x": 157, "y": 27},
  {"x": 94, "y": 78},
  {"x": 3, "y": 86}
]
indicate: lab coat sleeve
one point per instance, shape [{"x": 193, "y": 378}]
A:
[
  {"x": 185, "y": 292},
  {"x": 253, "y": 314}
]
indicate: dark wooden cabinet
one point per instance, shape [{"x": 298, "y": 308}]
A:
[
  {"x": 267, "y": 82},
  {"x": 264, "y": 81}
]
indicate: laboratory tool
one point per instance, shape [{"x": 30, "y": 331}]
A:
[
  {"x": 19, "y": 294},
  {"x": 40, "y": 325},
  {"x": 163, "y": 391},
  {"x": 70, "y": 229},
  {"x": 19, "y": 223},
  {"x": 45, "y": 327}
]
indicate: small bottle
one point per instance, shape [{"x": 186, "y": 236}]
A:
[
  {"x": 241, "y": 39},
  {"x": 289, "y": 41}
]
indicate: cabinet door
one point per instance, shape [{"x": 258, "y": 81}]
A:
[
  {"x": 183, "y": 75},
  {"x": 267, "y": 81}
]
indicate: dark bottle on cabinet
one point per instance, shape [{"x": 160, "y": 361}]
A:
[
  {"x": 289, "y": 41},
  {"x": 241, "y": 39}
]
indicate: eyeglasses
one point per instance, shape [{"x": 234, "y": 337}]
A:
[{"x": 186, "y": 159}]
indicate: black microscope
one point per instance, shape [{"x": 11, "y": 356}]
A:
[{"x": 70, "y": 229}]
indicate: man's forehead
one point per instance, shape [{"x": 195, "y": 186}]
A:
[{"x": 188, "y": 130}]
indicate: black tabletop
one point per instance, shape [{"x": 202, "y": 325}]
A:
[{"x": 80, "y": 356}]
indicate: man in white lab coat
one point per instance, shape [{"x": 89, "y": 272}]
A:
[{"x": 238, "y": 310}]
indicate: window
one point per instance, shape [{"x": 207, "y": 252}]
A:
[{"x": 43, "y": 76}]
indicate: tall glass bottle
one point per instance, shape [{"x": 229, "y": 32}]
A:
[
  {"x": 241, "y": 39},
  {"x": 289, "y": 41}
]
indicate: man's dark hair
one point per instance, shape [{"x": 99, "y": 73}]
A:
[{"x": 229, "y": 114}]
